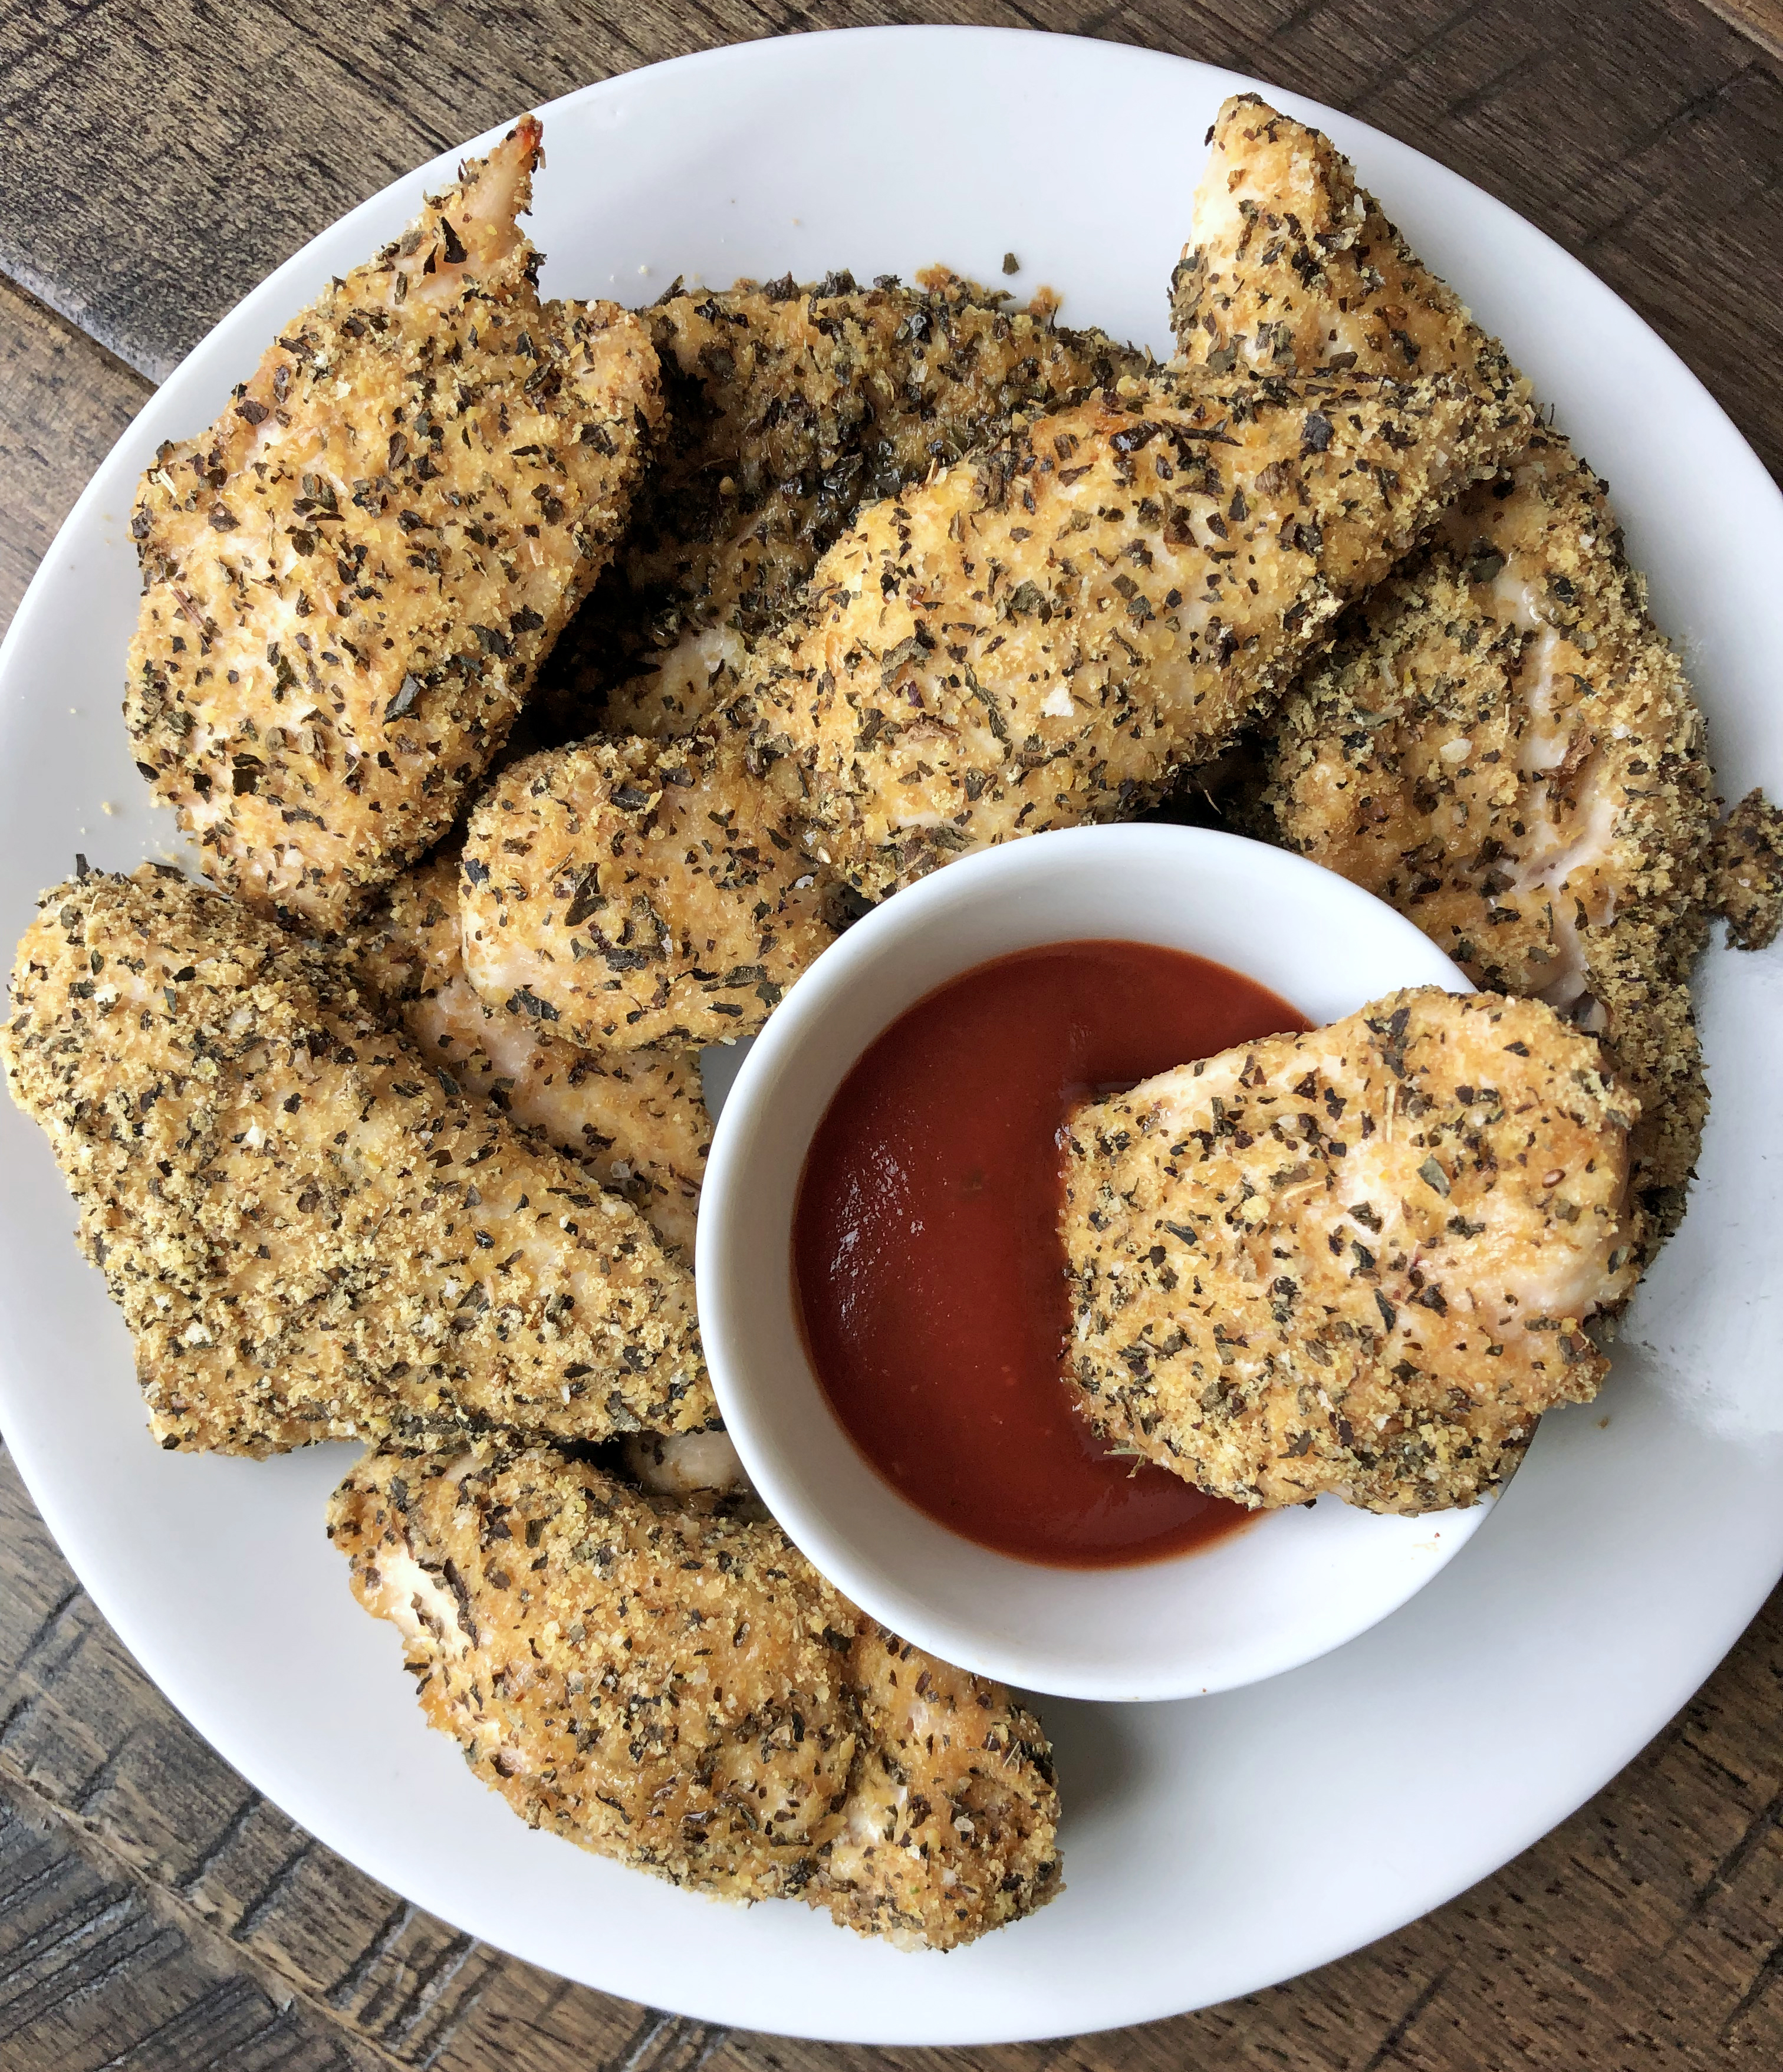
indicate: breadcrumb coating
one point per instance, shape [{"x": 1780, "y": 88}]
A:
[
  {"x": 634, "y": 1120},
  {"x": 1037, "y": 638},
  {"x": 310, "y": 1236},
  {"x": 1746, "y": 886},
  {"x": 1046, "y": 635},
  {"x": 1291, "y": 266},
  {"x": 1359, "y": 1260},
  {"x": 350, "y": 579},
  {"x": 789, "y": 408},
  {"x": 635, "y": 891},
  {"x": 666, "y": 1680},
  {"x": 1503, "y": 746}
]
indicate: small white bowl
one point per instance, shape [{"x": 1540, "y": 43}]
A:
[{"x": 1286, "y": 1587}]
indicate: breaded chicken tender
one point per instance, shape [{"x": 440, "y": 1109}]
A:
[
  {"x": 350, "y": 579},
  {"x": 1040, "y": 637},
  {"x": 636, "y": 1120},
  {"x": 636, "y": 891},
  {"x": 310, "y": 1234},
  {"x": 789, "y": 408},
  {"x": 1359, "y": 1260},
  {"x": 1046, "y": 635},
  {"x": 1503, "y": 746},
  {"x": 1291, "y": 266},
  {"x": 666, "y": 1680}
]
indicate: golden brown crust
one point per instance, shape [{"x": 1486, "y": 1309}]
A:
[
  {"x": 1048, "y": 634},
  {"x": 666, "y": 1680},
  {"x": 351, "y": 577},
  {"x": 788, "y": 408},
  {"x": 641, "y": 892},
  {"x": 1503, "y": 746},
  {"x": 1037, "y": 638},
  {"x": 310, "y": 1237},
  {"x": 1746, "y": 884},
  {"x": 1291, "y": 266},
  {"x": 1358, "y": 1260},
  {"x": 635, "y": 1120}
]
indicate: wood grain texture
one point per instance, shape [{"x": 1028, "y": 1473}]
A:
[
  {"x": 155, "y": 1911},
  {"x": 162, "y": 157},
  {"x": 63, "y": 402},
  {"x": 151, "y": 1902}
]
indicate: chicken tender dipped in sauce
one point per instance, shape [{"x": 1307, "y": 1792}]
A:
[{"x": 1359, "y": 1260}]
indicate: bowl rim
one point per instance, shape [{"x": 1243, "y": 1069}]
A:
[{"x": 762, "y": 1438}]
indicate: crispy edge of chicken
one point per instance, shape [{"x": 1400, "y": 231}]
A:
[
  {"x": 666, "y": 1680},
  {"x": 635, "y": 1120},
  {"x": 350, "y": 579},
  {"x": 308, "y": 1235},
  {"x": 1360, "y": 1260},
  {"x": 1747, "y": 872},
  {"x": 1504, "y": 745},
  {"x": 788, "y": 408}
]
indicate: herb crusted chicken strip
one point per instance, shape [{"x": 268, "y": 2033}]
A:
[
  {"x": 789, "y": 408},
  {"x": 666, "y": 1680},
  {"x": 1359, "y": 1260},
  {"x": 1040, "y": 637},
  {"x": 350, "y": 579},
  {"x": 637, "y": 892},
  {"x": 1045, "y": 635},
  {"x": 1503, "y": 746},
  {"x": 636, "y": 1119},
  {"x": 308, "y": 1235}
]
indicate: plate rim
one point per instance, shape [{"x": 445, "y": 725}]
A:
[{"x": 170, "y": 1679}]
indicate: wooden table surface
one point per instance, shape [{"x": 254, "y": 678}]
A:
[{"x": 160, "y": 156}]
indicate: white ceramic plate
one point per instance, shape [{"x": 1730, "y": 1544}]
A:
[
  {"x": 1212, "y": 1846},
  {"x": 1294, "y": 1583}
]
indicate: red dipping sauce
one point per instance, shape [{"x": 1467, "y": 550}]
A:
[{"x": 928, "y": 1268}]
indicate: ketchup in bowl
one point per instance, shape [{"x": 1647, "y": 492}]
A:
[{"x": 928, "y": 1269}]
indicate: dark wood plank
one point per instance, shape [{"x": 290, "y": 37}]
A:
[
  {"x": 64, "y": 400},
  {"x": 93, "y": 1974},
  {"x": 163, "y": 158},
  {"x": 1656, "y": 1912}
]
